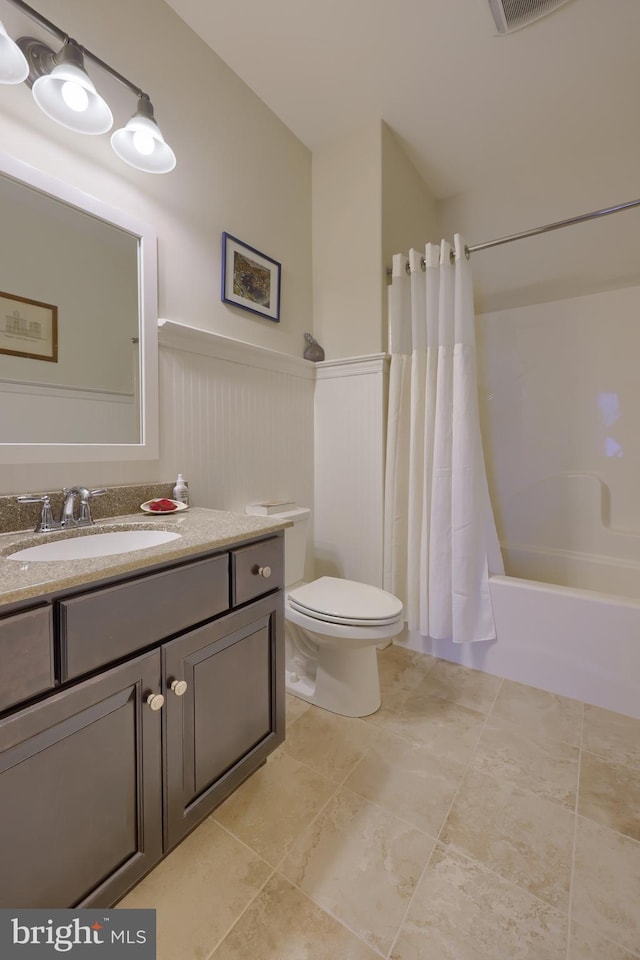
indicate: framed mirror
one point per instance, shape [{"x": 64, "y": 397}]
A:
[{"x": 78, "y": 325}]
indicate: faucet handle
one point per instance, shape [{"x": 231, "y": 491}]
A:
[
  {"x": 85, "y": 510},
  {"x": 46, "y": 521}
]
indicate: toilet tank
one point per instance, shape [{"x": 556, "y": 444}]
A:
[
  {"x": 295, "y": 543},
  {"x": 295, "y": 540}
]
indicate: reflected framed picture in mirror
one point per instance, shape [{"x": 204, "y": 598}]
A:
[
  {"x": 250, "y": 279},
  {"x": 28, "y": 328}
]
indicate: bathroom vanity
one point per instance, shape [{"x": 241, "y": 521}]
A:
[{"x": 136, "y": 693}]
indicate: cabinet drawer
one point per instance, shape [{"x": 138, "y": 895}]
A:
[
  {"x": 26, "y": 655},
  {"x": 102, "y": 626},
  {"x": 249, "y": 565}
]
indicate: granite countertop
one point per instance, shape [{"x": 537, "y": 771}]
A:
[{"x": 200, "y": 529}]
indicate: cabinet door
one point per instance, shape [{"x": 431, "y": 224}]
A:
[
  {"x": 80, "y": 791},
  {"x": 231, "y": 715}
]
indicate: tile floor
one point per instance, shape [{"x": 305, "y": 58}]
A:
[{"x": 471, "y": 818}]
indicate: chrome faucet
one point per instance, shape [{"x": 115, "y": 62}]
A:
[{"x": 68, "y": 516}]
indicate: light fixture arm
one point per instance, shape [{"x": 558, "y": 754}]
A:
[{"x": 66, "y": 39}]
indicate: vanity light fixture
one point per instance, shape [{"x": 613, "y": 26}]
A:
[
  {"x": 141, "y": 143},
  {"x": 64, "y": 91},
  {"x": 13, "y": 65}
]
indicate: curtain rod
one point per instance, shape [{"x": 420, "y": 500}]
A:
[
  {"x": 553, "y": 226},
  {"x": 546, "y": 228}
]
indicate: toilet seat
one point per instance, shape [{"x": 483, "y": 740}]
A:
[{"x": 347, "y": 602}]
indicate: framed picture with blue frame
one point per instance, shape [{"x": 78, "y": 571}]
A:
[{"x": 250, "y": 279}]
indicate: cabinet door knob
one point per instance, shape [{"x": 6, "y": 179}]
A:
[
  {"x": 179, "y": 687},
  {"x": 264, "y": 572},
  {"x": 155, "y": 701}
]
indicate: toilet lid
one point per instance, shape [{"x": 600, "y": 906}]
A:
[{"x": 345, "y": 601}]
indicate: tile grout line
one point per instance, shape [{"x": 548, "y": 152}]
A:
[
  {"x": 499, "y": 876},
  {"x": 328, "y": 912},
  {"x": 275, "y": 870},
  {"x": 438, "y": 839},
  {"x": 211, "y": 956},
  {"x": 377, "y": 725},
  {"x": 339, "y": 786},
  {"x": 468, "y": 766},
  {"x": 520, "y": 788},
  {"x": 411, "y": 899},
  {"x": 256, "y": 894},
  {"x": 575, "y": 836},
  {"x": 444, "y": 820},
  {"x": 484, "y": 866},
  {"x": 525, "y": 791}
]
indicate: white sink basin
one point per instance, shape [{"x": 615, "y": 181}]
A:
[{"x": 95, "y": 545}]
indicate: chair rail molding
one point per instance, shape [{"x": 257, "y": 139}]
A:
[{"x": 182, "y": 336}]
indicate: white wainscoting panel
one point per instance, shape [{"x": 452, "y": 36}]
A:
[
  {"x": 350, "y": 414},
  {"x": 236, "y": 420}
]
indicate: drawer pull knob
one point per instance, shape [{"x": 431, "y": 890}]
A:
[
  {"x": 264, "y": 572},
  {"x": 179, "y": 687},
  {"x": 155, "y": 701}
]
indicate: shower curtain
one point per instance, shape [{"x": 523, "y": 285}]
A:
[{"x": 440, "y": 537}]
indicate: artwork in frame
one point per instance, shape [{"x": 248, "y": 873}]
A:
[
  {"x": 250, "y": 279},
  {"x": 28, "y": 328}
]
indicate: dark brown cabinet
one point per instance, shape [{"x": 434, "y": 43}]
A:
[
  {"x": 102, "y": 777},
  {"x": 230, "y": 716},
  {"x": 80, "y": 791},
  {"x": 26, "y": 655}
]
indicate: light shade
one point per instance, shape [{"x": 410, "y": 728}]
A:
[
  {"x": 13, "y": 63},
  {"x": 140, "y": 143},
  {"x": 68, "y": 96}
]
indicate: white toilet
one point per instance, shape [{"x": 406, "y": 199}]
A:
[{"x": 332, "y": 629}]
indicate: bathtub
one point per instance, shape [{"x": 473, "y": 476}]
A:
[{"x": 561, "y": 637}]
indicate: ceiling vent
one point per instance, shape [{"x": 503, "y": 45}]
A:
[{"x": 510, "y": 15}]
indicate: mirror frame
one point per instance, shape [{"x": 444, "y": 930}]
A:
[{"x": 148, "y": 448}]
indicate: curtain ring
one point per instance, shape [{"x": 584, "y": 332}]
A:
[
  {"x": 423, "y": 266},
  {"x": 467, "y": 254}
]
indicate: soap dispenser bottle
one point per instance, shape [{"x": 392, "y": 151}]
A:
[{"x": 181, "y": 491}]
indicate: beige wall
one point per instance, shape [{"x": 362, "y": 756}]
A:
[
  {"x": 582, "y": 259},
  {"x": 347, "y": 224},
  {"x": 409, "y": 209},
  {"x": 368, "y": 203}
]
